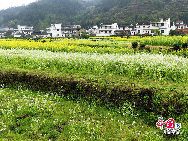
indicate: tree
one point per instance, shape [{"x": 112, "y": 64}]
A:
[
  {"x": 84, "y": 35},
  {"x": 8, "y": 34},
  {"x": 173, "y": 32},
  {"x": 156, "y": 32},
  {"x": 12, "y": 24}
]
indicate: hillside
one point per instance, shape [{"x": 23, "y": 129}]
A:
[
  {"x": 90, "y": 12},
  {"x": 42, "y": 13},
  {"x": 132, "y": 11}
]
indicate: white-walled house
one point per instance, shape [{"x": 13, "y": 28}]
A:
[
  {"x": 4, "y": 30},
  {"x": 143, "y": 28},
  {"x": 18, "y": 35},
  {"x": 164, "y": 26},
  {"x": 23, "y": 30},
  {"x": 180, "y": 25},
  {"x": 107, "y": 30},
  {"x": 71, "y": 30},
  {"x": 2, "y": 34},
  {"x": 93, "y": 31},
  {"x": 55, "y": 30},
  {"x": 41, "y": 34},
  {"x": 128, "y": 29}
]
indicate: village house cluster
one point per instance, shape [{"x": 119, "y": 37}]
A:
[{"x": 161, "y": 27}]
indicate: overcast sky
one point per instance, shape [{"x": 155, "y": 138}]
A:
[{"x": 4, "y": 4}]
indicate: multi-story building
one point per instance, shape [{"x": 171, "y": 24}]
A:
[
  {"x": 55, "y": 30},
  {"x": 163, "y": 26},
  {"x": 128, "y": 29},
  {"x": 143, "y": 28},
  {"x": 106, "y": 29},
  {"x": 93, "y": 31}
]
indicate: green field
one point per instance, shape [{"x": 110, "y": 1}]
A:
[{"x": 67, "y": 89}]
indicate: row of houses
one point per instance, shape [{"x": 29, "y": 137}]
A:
[
  {"x": 162, "y": 27},
  {"x": 55, "y": 30}
]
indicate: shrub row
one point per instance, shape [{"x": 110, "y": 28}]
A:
[
  {"x": 175, "y": 46},
  {"x": 135, "y": 45},
  {"x": 115, "y": 96},
  {"x": 179, "y": 47}
]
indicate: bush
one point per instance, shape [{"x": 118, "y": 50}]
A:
[
  {"x": 134, "y": 45},
  {"x": 43, "y": 41},
  {"x": 176, "y": 47},
  {"x": 173, "y": 33},
  {"x": 142, "y": 45},
  {"x": 184, "y": 45},
  {"x": 84, "y": 36}
]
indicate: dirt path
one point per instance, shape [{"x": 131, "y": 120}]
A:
[{"x": 158, "y": 47}]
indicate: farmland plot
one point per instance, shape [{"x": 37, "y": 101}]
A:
[{"x": 133, "y": 86}]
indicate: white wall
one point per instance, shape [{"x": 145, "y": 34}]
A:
[
  {"x": 106, "y": 30},
  {"x": 55, "y": 30}
]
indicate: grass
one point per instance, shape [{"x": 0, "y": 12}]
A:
[
  {"x": 36, "y": 115},
  {"x": 29, "y": 115},
  {"x": 167, "y": 90}
]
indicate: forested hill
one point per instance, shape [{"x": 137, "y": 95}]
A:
[
  {"x": 91, "y": 12},
  {"x": 131, "y": 11},
  {"x": 44, "y": 12}
]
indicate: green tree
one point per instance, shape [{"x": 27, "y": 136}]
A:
[
  {"x": 173, "y": 32},
  {"x": 8, "y": 34},
  {"x": 84, "y": 35},
  {"x": 156, "y": 32}
]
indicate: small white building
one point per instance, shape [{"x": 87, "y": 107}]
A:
[
  {"x": 18, "y": 35},
  {"x": 41, "y": 34},
  {"x": 55, "y": 30},
  {"x": 93, "y": 31},
  {"x": 180, "y": 25},
  {"x": 71, "y": 30},
  {"x": 106, "y": 30},
  {"x": 2, "y": 34},
  {"x": 4, "y": 30},
  {"x": 23, "y": 29}
]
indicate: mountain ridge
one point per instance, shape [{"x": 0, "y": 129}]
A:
[{"x": 89, "y": 12}]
